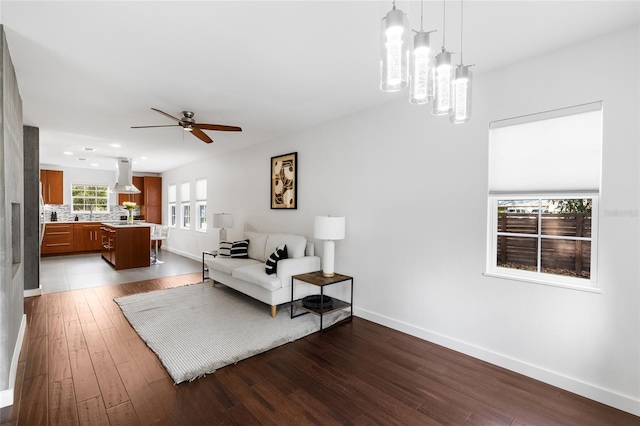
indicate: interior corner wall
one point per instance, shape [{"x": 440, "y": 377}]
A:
[
  {"x": 413, "y": 189},
  {"x": 11, "y": 192}
]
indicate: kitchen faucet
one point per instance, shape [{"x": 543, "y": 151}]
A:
[{"x": 90, "y": 212}]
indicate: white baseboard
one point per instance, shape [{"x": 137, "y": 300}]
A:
[
  {"x": 183, "y": 253},
  {"x": 6, "y": 396},
  {"x": 605, "y": 396},
  {"x": 33, "y": 292}
]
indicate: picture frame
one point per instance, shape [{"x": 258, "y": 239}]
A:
[{"x": 284, "y": 181}]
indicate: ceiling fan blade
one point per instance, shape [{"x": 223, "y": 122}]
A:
[
  {"x": 167, "y": 115},
  {"x": 219, "y": 127},
  {"x": 163, "y": 125},
  {"x": 200, "y": 135}
]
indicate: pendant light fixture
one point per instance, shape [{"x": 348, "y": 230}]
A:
[
  {"x": 461, "y": 112},
  {"x": 394, "y": 51},
  {"x": 421, "y": 67},
  {"x": 442, "y": 102}
]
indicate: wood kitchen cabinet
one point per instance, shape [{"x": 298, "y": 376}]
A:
[
  {"x": 152, "y": 199},
  {"x": 126, "y": 246},
  {"x": 86, "y": 237},
  {"x": 52, "y": 186},
  {"x": 58, "y": 238}
]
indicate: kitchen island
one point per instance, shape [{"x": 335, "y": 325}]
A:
[{"x": 126, "y": 245}]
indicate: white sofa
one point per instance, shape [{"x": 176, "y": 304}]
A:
[{"x": 249, "y": 277}]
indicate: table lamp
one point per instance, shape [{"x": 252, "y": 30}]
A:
[
  {"x": 222, "y": 221},
  {"x": 329, "y": 229}
]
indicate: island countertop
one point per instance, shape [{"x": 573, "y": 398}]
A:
[{"x": 124, "y": 224}]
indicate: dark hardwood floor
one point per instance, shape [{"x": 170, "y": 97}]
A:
[{"x": 81, "y": 363}]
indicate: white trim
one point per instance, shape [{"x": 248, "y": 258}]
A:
[
  {"x": 6, "y": 396},
  {"x": 33, "y": 292},
  {"x": 183, "y": 253},
  {"x": 605, "y": 396}
]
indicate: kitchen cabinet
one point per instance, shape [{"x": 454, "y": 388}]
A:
[
  {"x": 86, "y": 237},
  {"x": 138, "y": 182},
  {"x": 126, "y": 246},
  {"x": 151, "y": 208},
  {"x": 58, "y": 238},
  {"x": 52, "y": 186}
]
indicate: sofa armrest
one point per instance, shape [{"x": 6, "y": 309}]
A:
[{"x": 294, "y": 266}]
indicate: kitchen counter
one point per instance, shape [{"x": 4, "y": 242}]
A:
[{"x": 124, "y": 224}]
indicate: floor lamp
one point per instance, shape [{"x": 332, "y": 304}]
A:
[
  {"x": 222, "y": 221},
  {"x": 329, "y": 229}
]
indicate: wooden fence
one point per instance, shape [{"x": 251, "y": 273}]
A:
[{"x": 558, "y": 256}]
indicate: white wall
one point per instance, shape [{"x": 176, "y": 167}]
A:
[{"x": 414, "y": 191}]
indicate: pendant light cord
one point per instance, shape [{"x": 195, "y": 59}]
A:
[
  {"x": 444, "y": 22},
  {"x": 421, "y": 14}
]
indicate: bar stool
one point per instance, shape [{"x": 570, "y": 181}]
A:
[{"x": 158, "y": 232}]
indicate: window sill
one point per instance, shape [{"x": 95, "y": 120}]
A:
[{"x": 588, "y": 289}]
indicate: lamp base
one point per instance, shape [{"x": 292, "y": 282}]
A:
[{"x": 327, "y": 274}]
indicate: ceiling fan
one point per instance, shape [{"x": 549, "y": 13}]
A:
[{"x": 189, "y": 124}]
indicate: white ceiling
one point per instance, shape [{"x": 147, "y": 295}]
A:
[{"x": 88, "y": 71}]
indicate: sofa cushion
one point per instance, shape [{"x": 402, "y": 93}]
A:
[
  {"x": 296, "y": 244},
  {"x": 237, "y": 249},
  {"x": 257, "y": 243},
  {"x": 272, "y": 261},
  {"x": 228, "y": 264},
  {"x": 255, "y": 274}
]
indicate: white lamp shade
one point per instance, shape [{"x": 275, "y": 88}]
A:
[
  {"x": 329, "y": 228},
  {"x": 222, "y": 220}
]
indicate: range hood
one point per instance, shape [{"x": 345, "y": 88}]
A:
[{"x": 124, "y": 177}]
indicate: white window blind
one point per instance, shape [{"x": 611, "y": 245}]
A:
[
  {"x": 171, "y": 193},
  {"x": 201, "y": 189},
  {"x": 558, "y": 150},
  {"x": 185, "y": 191}
]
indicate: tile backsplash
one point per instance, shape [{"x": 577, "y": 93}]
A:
[{"x": 65, "y": 214}]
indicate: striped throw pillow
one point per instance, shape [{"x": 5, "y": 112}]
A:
[
  {"x": 238, "y": 249},
  {"x": 272, "y": 261}
]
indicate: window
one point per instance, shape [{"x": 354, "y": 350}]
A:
[
  {"x": 201, "y": 205},
  {"x": 544, "y": 185},
  {"x": 185, "y": 205},
  {"x": 86, "y": 198},
  {"x": 171, "y": 195}
]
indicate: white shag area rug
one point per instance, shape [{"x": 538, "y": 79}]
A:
[{"x": 198, "y": 328}]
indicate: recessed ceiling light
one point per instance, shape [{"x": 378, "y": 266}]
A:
[
  {"x": 68, "y": 153},
  {"x": 144, "y": 158},
  {"x": 94, "y": 164},
  {"x": 82, "y": 159},
  {"x": 88, "y": 149},
  {"x": 115, "y": 145}
]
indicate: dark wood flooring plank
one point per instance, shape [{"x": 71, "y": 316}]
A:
[
  {"x": 84, "y": 378},
  {"x": 123, "y": 415},
  {"x": 55, "y": 327},
  {"x": 59, "y": 367},
  {"x": 53, "y": 304},
  {"x": 111, "y": 386},
  {"x": 92, "y": 412},
  {"x": 75, "y": 336},
  {"x": 69, "y": 312},
  {"x": 93, "y": 337},
  {"x": 33, "y": 403},
  {"x": 142, "y": 398},
  {"x": 117, "y": 348},
  {"x": 63, "y": 410},
  {"x": 38, "y": 326},
  {"x": 37, "y": 363},
  {"x": 146, "y": 360},
  {"x": 84, "y": 313}
]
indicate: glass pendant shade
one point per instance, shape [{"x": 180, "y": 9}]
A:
[
  {"x": 443, "y": 102},
  {"x": 421, "y": 77},
  {"x": 394, "y": 51},
  {"x": 461, "y": 112}
]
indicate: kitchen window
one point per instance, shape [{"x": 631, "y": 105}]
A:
[
  {"x": 544, "y": 187},
  {"x": 201, "y": 205},
  {"x": 171, "y": 208},
  {"x": 87, "y": 198}
]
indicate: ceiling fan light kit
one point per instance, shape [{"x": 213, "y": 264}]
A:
[
  {"x": 189, "y": 124},
  {"x": 448, "y": 90}
]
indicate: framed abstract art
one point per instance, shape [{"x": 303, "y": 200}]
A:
[{"x": 284, "y": 181}]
